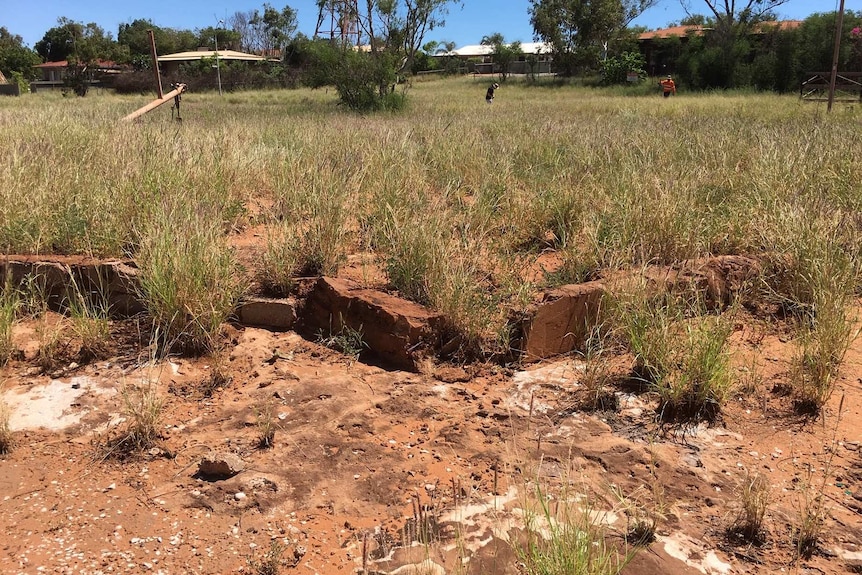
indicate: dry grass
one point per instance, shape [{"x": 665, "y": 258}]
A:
[
  {"x": 6, "y": 437},
  {"x": 267, "y": 424},
  {"x": 680, "y": 353},
  {"x": 189, "y": 278},
  {"x": 452, "y": 197},
  {"x": 9, "y": 307},
  {"x": 753, "y": 495},
  {"x": 565, "y": 534},
  {"x": 142, "y": 409}
]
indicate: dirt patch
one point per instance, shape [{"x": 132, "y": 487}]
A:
[{"x": 392, "y": 470}]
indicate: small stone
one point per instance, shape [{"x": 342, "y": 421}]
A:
[
  {"x": 430, "y": 487},
  {"x": 858, "y": 495},
  {"x": 220, "y": 465},
  {"x": 239, "y": 495}
]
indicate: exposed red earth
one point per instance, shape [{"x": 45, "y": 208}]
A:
[{"x": 425, "y": 467}]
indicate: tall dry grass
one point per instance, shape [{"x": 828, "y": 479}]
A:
[
  {"x": 189, "y": 278},
  {"x": 10, "y": 303},
  {"x": 448, "y": 193}
]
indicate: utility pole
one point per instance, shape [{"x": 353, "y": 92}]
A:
[
  {"x": 155, "y": 62},
  {"x": 218, "y": 68},
  {"x": 839, "y": 26}
]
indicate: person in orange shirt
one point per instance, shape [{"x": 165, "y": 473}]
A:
[{"x": 668, "y": 86}]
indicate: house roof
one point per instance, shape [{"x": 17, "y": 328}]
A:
[
  {"x": 673, "y": 31},
  {"x": 683, "y": 31},
  {"x": 201, "y": 54},
  {"x": 104, "y": 64},
  {"x": 486, "y": 50}
]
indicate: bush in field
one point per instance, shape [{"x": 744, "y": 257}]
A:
[
  {"x": 363, "y": 82},
  {"x": 429, "y": 266},
  {"x": 753, "y": 496},
  {"x": 615, "y": 70}
]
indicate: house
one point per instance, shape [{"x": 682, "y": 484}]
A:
[
  {"x": 170, "y": 63},
  {"x": 481, "y": 58},
  {"x": 6, "y": 88},
  {"x": 53, "y": 74},
  {"x": 660, "y": 57}
]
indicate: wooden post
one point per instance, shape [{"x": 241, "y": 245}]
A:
[
  {"x": 835, "y": 55},
  {"x": 156, "y": 103},
  {"x": 155, "y": 62}
]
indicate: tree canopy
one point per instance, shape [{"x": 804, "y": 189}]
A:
[
  {"x": 15, "y": 56},
  {"x": 389, "y": 34},
  {"x": 265, "y": 32},
  {"x": 504, "y": 54},
  {"x": 71, "y": 40},
  {"x": 729, "y": 13},
  {"x": 578, "y": 30},
  {"x": 168, "y": 40}
]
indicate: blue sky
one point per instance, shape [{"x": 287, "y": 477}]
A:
[{"x": 465, "y": 24}]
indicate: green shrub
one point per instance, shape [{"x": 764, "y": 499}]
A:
[{"x": 615, "y": 69}]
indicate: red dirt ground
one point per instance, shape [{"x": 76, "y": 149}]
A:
[{"x": 396, "y": 472}]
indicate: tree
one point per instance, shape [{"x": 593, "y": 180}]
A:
[
  {"x": 724, "y": 61},
  {"x": 81, "y": 45},
  {"x": 578, "y": 30},
  {"x": 218, "y": 38},
  {"x": 503, "y": 54},
  {"x": 266, "y": 32},
  {"x": 134, "y": 38},
  {"x": 615, "y": 70},
  {"x": 390, "y": 33},
  {"x": 697, "y": 20},
  {"x": 730, "y": 13},
  {"x": 58, "y": 43},
  {"x": 71, "y": 40},
  {"x": 448, "y": 48},
  {"x": 16, "y": 57}
]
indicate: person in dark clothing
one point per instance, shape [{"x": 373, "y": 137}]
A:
[{"x": 489, "y": 95}]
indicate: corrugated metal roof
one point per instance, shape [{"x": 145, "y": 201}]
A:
[
  {"x": 682, "y": 31},
  {"x": 199, "y": 55},
  {"x": 64, "y": 63},
  {"x": 485, "y": 50}
]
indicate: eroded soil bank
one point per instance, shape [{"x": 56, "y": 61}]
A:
[{"x": 382, "y": 469}]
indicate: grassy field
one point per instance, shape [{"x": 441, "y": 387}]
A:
[{"x": 452, "y": 196}]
